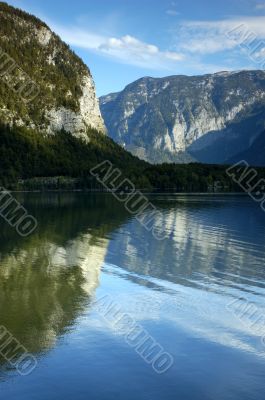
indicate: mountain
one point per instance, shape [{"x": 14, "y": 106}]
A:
[
  {"x": 51, "y": 129},
  {"x": 207, "y": 118},
  {"x": 45, "y": 86},
  {"x": 255, "y": 154},
  {"x": 50, "y": 121}
]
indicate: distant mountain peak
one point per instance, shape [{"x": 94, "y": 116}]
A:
[{"x": 180, "y": 118}]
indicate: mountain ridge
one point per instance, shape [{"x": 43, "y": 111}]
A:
[{"x": 167, "y": 116}]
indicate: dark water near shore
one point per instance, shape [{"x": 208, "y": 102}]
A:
[{"x": 199, "y": 293}]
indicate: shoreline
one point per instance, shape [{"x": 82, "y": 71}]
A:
[{"x": 146, "y": 193}]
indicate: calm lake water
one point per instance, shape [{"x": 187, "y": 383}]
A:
[{"x": 199, "y": 293}]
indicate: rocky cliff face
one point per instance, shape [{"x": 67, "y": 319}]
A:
[
  {"x": 208, "y": 118},
  {"x": 76, "y": 122},
  {"x": 62, "y": 88}
]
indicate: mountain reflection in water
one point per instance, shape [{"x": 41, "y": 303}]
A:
[{"x": 179, "y": 289}]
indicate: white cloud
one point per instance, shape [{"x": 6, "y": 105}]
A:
[
  {"x": 128, "y": 44},
  {"x": 206, "y": 37},
  {"x": 126, "y": 49}
]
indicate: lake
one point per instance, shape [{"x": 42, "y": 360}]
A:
[{"x": 197, "y": 295}]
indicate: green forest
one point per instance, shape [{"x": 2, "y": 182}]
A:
[{"x": 32, "y": 161}]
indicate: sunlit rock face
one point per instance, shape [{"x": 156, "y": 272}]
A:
[
  {"x": 76, "y": 122},
  {"x": 179, "y": 118}
]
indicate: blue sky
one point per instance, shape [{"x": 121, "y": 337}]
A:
[{"x": 123, "y": 40}]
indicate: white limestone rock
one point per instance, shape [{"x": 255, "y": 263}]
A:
[
  {"x": 43, "y": 35},
  {"x": 77, "y": 123}
]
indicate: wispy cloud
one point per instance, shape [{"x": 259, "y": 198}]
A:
[
  {"x": 260, "y": 6},
  {"x": 172, "y": 13},
  {"x": 208, "y": 37},
  {"x": 195, "y": 44},
  {"x": 127, "y": 49},
  {"x": 172, "y": 10}
]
